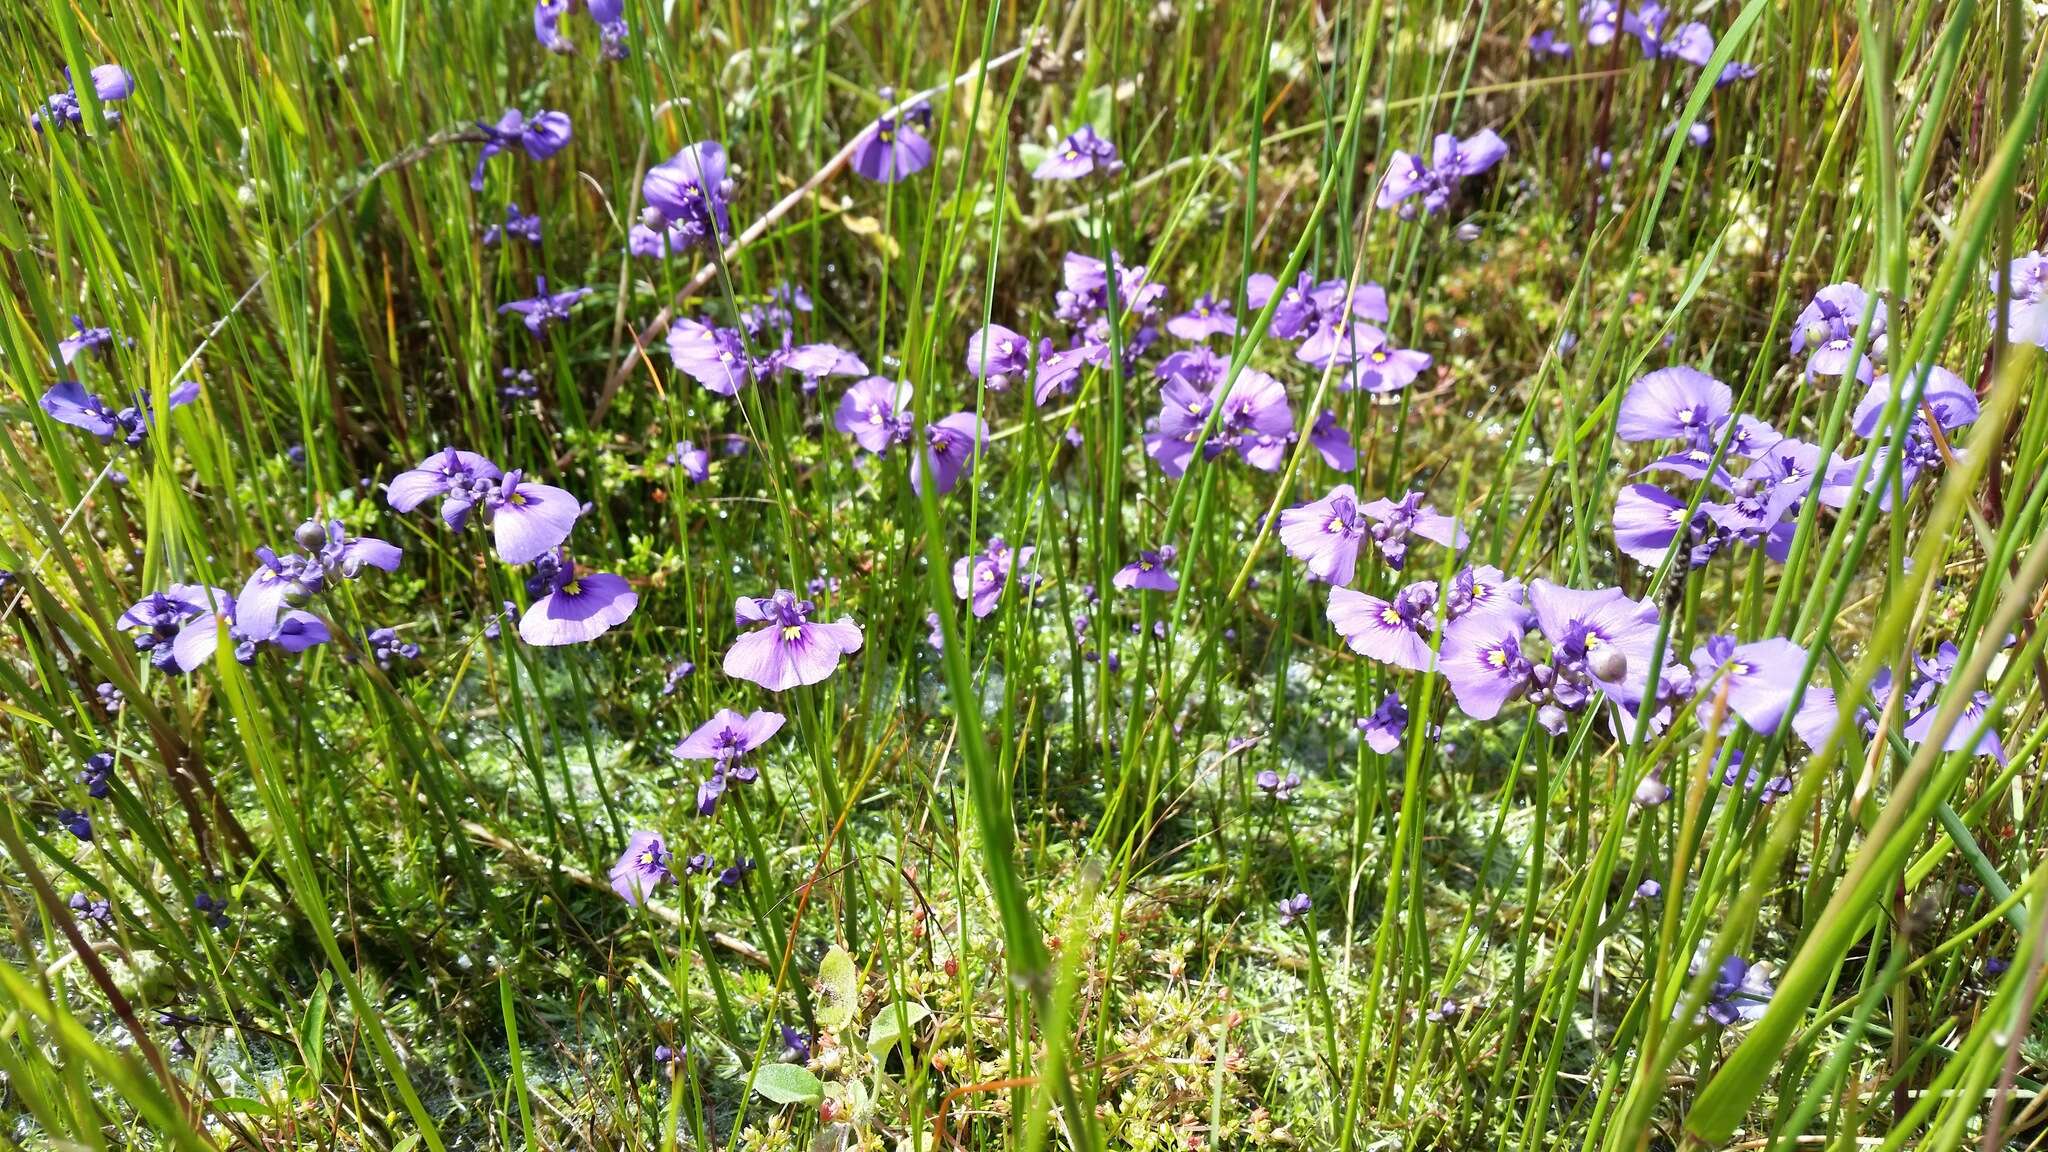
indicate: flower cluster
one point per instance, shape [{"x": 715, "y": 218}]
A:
[
  {"x": 110, "y": 82},
  {"x": 529, "y": 523},
  {"x": 610, "y": 16}
]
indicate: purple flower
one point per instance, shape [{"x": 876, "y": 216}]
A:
[
  {"x": 694, "y": 461},
  {"x": 678, "y": 672},
  {"x": 791, "y": 650},
  {"x": 1484, "y": 664},
  {"x": 573, "y": 608},
  {"x": 1972, "y": 730},
  {"x": 1391, "y": 632},
  {"x": 547, "y": 21},
  {"x": 517, "y": 225},
  {"x": 1184, "y": 411},
  {"x": 687, "y": 196},
  {"x": 1307, "y": 305},
  {"x": 1674, "y": 403},
  {"x": 1325, "y": 535},
  {"x": 1733, "y": 71},
  {"x": 1826, "y": 328},
  {"x": 110, "y": 82},
  {"x": 888, "y": 151},
  {"x": 1394, "y": 523},
  {"x": 1953, "y": 402},
  {"x": 99, "y": 911},
  {"x": 713, "y": 357},
  {"x": 463, "y": 479},
  {"x": 331, "y": 554},
  {"x": 1293, "y": 908},
  {"x": 1381, "y": 368},
  {"x": 1545, "y": 42},
  {"x": 641, "y": 867},
  {"x": 796, "y": 1048},
  {"x": 1758, "y": 678},
  {"x": 1386, "y": 726},
  {"x": 67, "y": 402},
  {"x": 1209, "y": 317},
  {"x": 77, "y": 823},
  {"x": 540, "y": 137},
  {"x": 611, "y": 22},
  {"x": 814, "y": 362},
  {"x": 981, "y": 578},
  {"x": 2027, "y": 320},
  {"x": 1648, "y": 521},
  {"x": 996, "y": 355},
  {"x": 1690, "y": 42},
  {"x": 951, "y": 446},
  {"x": 1600, "y": 19},
  {"x": 292, "y": 631},
  {"x": 156, "y": 618},
  {"x": 1483, "y": 590},
  {"x": 1148, "y": 572},
  {"x": 1256, "y": 420},
  {"x": 544, "y": 307},
  {"x": 876, "y": 413},
  {"x": 728, "y": 736},
  {"x": 528, "y": 521},
  {"x": 83, "y": 339},
  {"x": 1600, "y": 639},
  {"x": 1333, "y": 442},
  {"x": 386, "y": 645},
  {"x": 731, "y": 875},
  {"x": 98, "y": 775},
  {"x": 1741, "y": 990},
  {"x": 1451, "y": 161},
  {"x": 1279, "y": 789},
  {"x": 1081, "y": 153}
]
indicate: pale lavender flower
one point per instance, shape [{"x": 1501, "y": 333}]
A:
[
  {"x": 997, "y": 355},
  {"x": 1390, "y": 631},
  {"x": 727, "y": 737},
  {"x": 642, "y": 867},
  {"x": 1209, "y": 317},
  {"x": 540, "y": 137},
  {"x": 83, "y": 339},
  {"x": 1757, "y": 678},
  {"x": 1654, "y": 30},
  {"x": 1384, "y": 729},
  {"x": 1484, "y": 664},
  {"x": 791, "y": 649},
  {"x": 714, "y": 357},
  {"x": 1148, "y": 572},
  {"x": 1080, "y": 154},
  {"x": 1332, "y": 441},
  {"x": 876, "y": 413},
  {"x": 1394, "y": 523},
  {"x": 687, "y": 196},
  {"x": 544, "y": 308},
  {"x": 517, "y": 225},
  {"x": 2027, "y": 320},
  {"x": 888, "y": 150},
  {"x": 694, "y": 461},
  {"x": 572, "y": 607},
  {"x": 1294, "y": 908},
  {"x": 951, "y": 446},
  {"x": 980, "y": 579},
  {"x": 1826, "y": 328},
  {"x": 1325, "y": 534}
]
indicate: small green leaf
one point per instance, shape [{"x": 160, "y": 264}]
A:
[
  {"x": 884, "y": 1032},
  {"x": 839, "y": 982},
  {"x": 788, "y": 1084}
]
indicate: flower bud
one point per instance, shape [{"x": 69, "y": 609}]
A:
[
  {"x": 296, "y": 594},
  {"x": 311, "y": 535},
  {"x": 1609, "y": 664}
]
